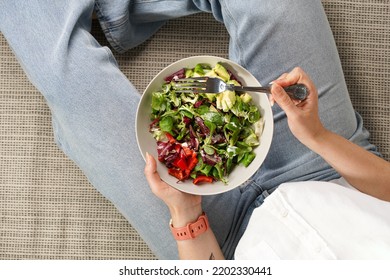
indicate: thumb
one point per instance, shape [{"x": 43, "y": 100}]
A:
[
  {"x": 150, "y": 166},
  {"x": 150, "y": 171},
  {"x": 282, "y": 98}
]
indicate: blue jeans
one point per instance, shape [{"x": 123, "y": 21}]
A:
[{"x": 93, "y": 104}]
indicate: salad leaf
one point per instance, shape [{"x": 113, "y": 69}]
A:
[
  {"x": 176, "y": 102},
  {"x": 213, "y": 117},
  {"x": 248, "y": 158},
  {"x": 158, "y": 101},
  {"x": 166, "y": 124},
  {"x": 189, "y": 98}
]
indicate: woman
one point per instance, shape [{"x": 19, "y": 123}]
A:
[
  {"x": 92, "y": 102},
  {"x": 365, "y": 171}
]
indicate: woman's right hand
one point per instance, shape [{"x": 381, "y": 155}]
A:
[
  {"x": 365, "y": 171},
  {"x": 303, "y": 118}
]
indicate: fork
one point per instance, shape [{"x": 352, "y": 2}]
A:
[{"x": 216, "y": 85}]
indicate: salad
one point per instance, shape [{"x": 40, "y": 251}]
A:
[{"x": 200, "y": 136}]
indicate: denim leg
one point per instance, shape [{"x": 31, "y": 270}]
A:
[
  {"x": 93, "y": 106},
  {"x": 272, "y": 37},
  {"x": 128, "y": 23}
]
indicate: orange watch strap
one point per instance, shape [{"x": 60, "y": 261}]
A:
[{"x": 191, "y": 230}]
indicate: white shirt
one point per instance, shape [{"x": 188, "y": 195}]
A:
[{"x": 317, "y": 220}]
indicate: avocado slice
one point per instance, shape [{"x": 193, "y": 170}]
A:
[{"x": 222, "y": 72}]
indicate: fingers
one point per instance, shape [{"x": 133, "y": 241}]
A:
[
  {"x": 283, "y": 100},
  {"x": 284, "y": 75},
  {"x": 297, "y": 75}
]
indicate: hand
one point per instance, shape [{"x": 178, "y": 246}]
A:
[
  {"x": 184, "y": 207},
  {"x": 347, "y": 158},
  {"x": 302, "y": 117}
]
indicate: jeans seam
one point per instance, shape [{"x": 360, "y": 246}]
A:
[
  {"x": 107, "y": 28},
  {"x": 251, "y": 184}
]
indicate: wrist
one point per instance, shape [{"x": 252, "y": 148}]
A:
[
  {"x": 181, "y": 217},
  {"x": 192, "y": 230},
  {"x": 316, "y": 142}
]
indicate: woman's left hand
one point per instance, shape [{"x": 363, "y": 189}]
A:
[{"x": 184, "y": 207}]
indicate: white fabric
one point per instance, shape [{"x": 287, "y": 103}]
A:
[{"x": 317, "y": 220}]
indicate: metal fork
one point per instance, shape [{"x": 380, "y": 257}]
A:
[{"x": 216, "y": 85}]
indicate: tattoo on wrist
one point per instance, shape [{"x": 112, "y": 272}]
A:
[{"x": 212, "y": 257}]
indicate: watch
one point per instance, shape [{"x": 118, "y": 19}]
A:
[{"x": 191, "y": 230}]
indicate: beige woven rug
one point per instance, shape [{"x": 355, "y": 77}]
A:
[{"x": 47, "y": 208}]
